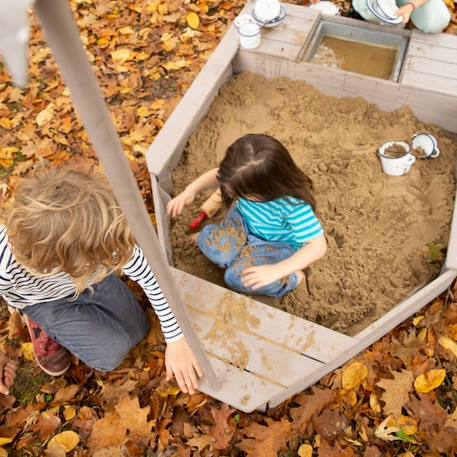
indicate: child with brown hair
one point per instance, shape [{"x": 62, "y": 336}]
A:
[
  {"x": 64, "y": 238},
  {"x": 270, "y": 233}
]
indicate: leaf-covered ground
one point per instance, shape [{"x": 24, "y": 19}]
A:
[{"x": 399, "y": 398}]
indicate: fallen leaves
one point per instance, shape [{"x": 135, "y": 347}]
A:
[
  {"x": 429, "y": 381},
  {"x": 353, "y": 375},
  {"x": 396, "y": 392}
]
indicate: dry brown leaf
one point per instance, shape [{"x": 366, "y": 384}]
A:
[
  {"x": 112, "y": 393},
  {"x": 397, "y": 391},
  {"x": 66, "y": 440},
  {"x": 265, "y": 441},
  {"x": 46, "y": 425},
  {"x": 222, "y": 432},
  {"x": 65, "y": 394},
  {"x": 326, "y": 450},
  {"x": 310, "y": 405}
]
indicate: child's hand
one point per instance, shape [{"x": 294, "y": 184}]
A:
[
  {"x": 261, "y": 276},
  {"x": 406, "y": 12},
  {"x": 175, "y": 206},
  {"x": 181, "y": 363},
  {"x": 7, "y": 374}
]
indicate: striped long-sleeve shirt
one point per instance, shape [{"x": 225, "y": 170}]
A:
[
  {"x": 20, "y": 288},
  {"x": 288, "y": 220}
]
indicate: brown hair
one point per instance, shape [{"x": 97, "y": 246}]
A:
[
  {"x": 68, "y": 221},
  {"x": 260, "y": 167}
]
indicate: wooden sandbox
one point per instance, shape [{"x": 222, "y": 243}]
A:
[{"x": 286, "y": 354}]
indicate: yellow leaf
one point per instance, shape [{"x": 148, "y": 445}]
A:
[
  {"x": 193, "y": 20},
  {"x": 45, "y": 115},
  {"x": 169, "y": 44},
  {"x": 162, "y": 9},
  {"x": 176, "y": 65},
  {"x": 422, "y": 335},
  {"x": 6, "y": 123},
  {"x": 448, "y": 344},
  {"x": 450, "y": 4},
  {"x": 126, "y": 31},
  {"x": 4, "y": 441},
  {"x": 7, "y": 153},
  {"x": 406, "y": 454},
  {"x": 67, "y": 440},
  {"x": 142, "y": 111},
  {"x": 27, "y": 351},
  {"x": 122, "y": 55},
  {"x": 453, "y": 331},
  {"x": 374, "y": 403},
  {"x": 353, "y": 375},
  {"x": 103, "y": 42},
  {"x": 407, "y": 424},
  {"x": 69, "y": 412},
  {"x": 142, "y": 56},
  {"x": 3, "y": 452},
  {"x": 171, "y": 391},
  {"x": 417, "y": 320},
  {"x": 6, "y": 163},
  {"x": 429, "y": 381},
  {"x": 305, "y": 450}
]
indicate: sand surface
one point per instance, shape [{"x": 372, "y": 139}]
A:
[{"x": 378, "y": 227}]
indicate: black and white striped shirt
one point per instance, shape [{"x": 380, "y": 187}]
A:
[{"x": 20, "y": 288}]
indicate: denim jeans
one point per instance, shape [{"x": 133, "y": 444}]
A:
[
  {"x": 99, "y": 327},
  {"x": 433, "y": 17},
  {"x": 231, "y": 246}
]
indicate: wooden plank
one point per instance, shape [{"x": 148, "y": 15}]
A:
[
  {"x": 240, "y": 389},
  {"x": 451, "y": 255},
  {"x": 423, "y": 65},
  {"x": 279, "y": 49},
  {"x": 222, "y": 337},
  {"x": 445, "y": 40},
  {"x": 272, "y": 325},
  {"x": 373, "y": 333},
  {"x": 430, "y": 82},
  {"x": 432, "y": 52},
  {"x": 286, "y": 35},
  {"x": 160, "y": 200}
]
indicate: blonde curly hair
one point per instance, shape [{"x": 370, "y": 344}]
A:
[{"x": 68, "y": 221}]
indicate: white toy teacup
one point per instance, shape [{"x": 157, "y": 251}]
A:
[
  {"x": 396, "y": 158},
  {"x": 425, "y": 146},
  {"x": 267, "y": 10},
  {"x": 250, "y": 36}
]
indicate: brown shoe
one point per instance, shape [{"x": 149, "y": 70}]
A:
[{"x": 51, "y": 357}]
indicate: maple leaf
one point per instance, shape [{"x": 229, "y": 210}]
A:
[
  {"x": 111, "y": 430},
  {"x": 396, "y": 392},
  {"x": 310, "y": 405},
  {"x": 222, "y": 432},
  {"x": 267, "y": 440}
]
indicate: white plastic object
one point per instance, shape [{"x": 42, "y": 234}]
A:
[
  {"x": 250, "y": 37},
  {"x": 389, "y": 8},
  {"x": 326, "y": 7},
  {"x": 396, "y": 166},
  {"x": 428, "y": 143},
  {"x": 267, "y": 10}
]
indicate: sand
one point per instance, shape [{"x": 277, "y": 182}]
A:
[{"x": 378, "y": 227}]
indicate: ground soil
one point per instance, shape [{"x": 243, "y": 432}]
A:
[{"x": 378, "y": 227}]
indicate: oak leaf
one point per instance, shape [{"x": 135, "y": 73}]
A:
[
  {"x": 45, "y": 115},
  {"x": 66, "y": 394},
  {"x": 265, "y": 441},
  {"x": 387, "y": 430},
  {"x": 46, "y": 425},
  {"x": 112, "y": 393},
  {"x": 326, "y": 450},
  {"x": 310, "y": 405},
  {"x": 396, "y": 392},
  {"x": 222, "y": 432}
]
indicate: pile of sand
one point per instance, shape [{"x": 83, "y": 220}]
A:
[{"x": 378, "y": 227}]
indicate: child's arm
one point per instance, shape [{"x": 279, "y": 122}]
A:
[
  {"x": 263, "y": 275},
  {"x": 206, "y": 181},
  {"x": 179, "y": 358}
]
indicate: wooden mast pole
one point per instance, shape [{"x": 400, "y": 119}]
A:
[{"x": 63, "y": 37}]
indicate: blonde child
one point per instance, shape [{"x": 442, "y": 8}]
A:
[
  {"x": 270, "y": 233},
  {"x": 63, "y": 240}
]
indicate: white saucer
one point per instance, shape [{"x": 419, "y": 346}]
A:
[
  {"x": 373, "y": 6},
  {"x": 274, "y": 22}
]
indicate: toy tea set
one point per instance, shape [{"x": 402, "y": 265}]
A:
[
  {"x": 268, "y": 14},
  {"x": 398, "y": 157},
  {"x": 385, "y": 11}
]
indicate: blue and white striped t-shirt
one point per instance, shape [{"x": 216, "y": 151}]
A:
[
  {"x": 20, "y": 288},
  {"x": 288, "y": 220}
]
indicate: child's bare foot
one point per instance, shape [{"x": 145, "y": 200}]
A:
[{"x": 300, "y": 275}]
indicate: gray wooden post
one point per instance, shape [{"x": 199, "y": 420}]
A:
[{"x": 63, "y": 37}]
